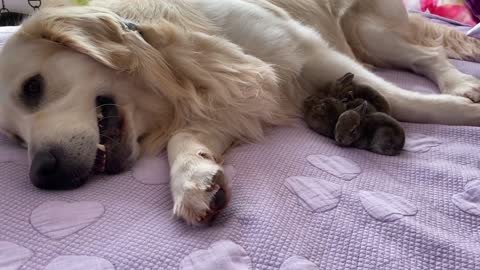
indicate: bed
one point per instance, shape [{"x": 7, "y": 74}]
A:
[{"x": 299, "y": 203}]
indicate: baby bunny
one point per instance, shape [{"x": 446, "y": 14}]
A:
[
  {"x": 321, "y": 114},
  {"x": 354, "y": 94},
  {"x": 376, "y": 132},
  {"x": 323, "y": 109}
]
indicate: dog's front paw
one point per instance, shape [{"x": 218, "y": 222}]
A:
[
  {"x": 200, "y": 190},
  {"x": 466, "y": 86}
]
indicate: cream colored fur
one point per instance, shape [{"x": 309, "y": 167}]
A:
[{"x": 202, "y": 75}]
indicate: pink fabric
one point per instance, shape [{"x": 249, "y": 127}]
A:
[
  {"x": 451, "y": 9},
  {"x": 474, "y": 7}
]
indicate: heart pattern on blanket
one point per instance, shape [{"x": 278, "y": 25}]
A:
[
  {"x": 153, "y": 170},
  {"x": 338, "y": 166},
  {"x": 420, "y": 143},
  {"x": 386, "y": 207},
  {"x": 315, "y": 194},
  {"x": 79, "y": 263},
  {"x": 230, "y": 172},
  {"x": 57, "y": 219},
  {"x": 12, "y": 152},
  {"x": 469, "y": 201},
  {"x": 298, "y": 263},
  {"x": 220, "y": 255},
  {"x": 13, "y": 256},
  {"x": 156, "y": 170},
  {"x": 472, "y": 184}
]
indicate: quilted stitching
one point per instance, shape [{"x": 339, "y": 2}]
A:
[{"x": 137, "y": 230}]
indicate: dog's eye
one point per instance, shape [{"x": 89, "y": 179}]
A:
[
  {"x": 32, "y": 90},
  {"x": 141, "y": 138}
]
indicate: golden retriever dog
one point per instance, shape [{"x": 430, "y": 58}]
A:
[{"x": 90, "y": 89}]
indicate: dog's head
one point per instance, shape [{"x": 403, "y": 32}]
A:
[{"x": 69, "y": 92}]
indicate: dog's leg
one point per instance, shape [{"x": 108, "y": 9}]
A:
[
  {"x": 432, "y": 62},
  {"x": 199, "y": 187},
  {"x": 386, "y": 36},
  {"x": 327, "y": 65}
]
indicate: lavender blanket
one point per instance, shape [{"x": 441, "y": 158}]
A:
[{"x": 300, "y": 203}]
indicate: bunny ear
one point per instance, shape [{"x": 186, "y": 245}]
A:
[
  {"x": 362, "y": 108},
  {"x": 346, "y": 79},
  {"x": 344, "y": 84}
]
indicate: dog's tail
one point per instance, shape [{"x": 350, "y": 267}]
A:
[{"x": 457, "y": 45}]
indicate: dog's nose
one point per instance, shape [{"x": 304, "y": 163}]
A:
[{"x": 47, "y": 172}]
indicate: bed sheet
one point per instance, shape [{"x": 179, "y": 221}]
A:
[{"x": 299, "y": 203}]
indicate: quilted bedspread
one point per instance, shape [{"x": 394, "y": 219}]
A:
[{"x": 299, "y": 203}]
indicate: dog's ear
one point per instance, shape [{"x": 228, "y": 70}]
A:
[
  {"x": 92, "y": 31},
  {"x": 105, "y": 37}
]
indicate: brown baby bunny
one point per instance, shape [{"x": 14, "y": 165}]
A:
[
  {"x": 347, "y": 90},
  {"x": 321, "y": 114},
  {"x": 321, "y": 111},
  {"x": 377, "y": 132},
  {"x": 351, "y": 103},
  {"x": 339, "y": 88}
]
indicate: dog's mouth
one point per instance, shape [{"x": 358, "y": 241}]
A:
[{"x": 112, "y": 154}]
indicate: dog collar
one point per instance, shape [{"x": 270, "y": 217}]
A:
[{"x": 129, "y": 26}]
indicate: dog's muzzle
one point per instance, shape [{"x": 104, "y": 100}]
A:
[{"x": 53, "y": 169}]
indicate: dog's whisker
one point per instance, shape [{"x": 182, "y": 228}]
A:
[
  {"x": 103, "y": 105},
  {"x": 111, "y": 117},
  {"x": 107, "y": 137}
]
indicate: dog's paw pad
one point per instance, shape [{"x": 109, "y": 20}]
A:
[
  {"x": 217, "y": 203},
  {"x": 203, "y": 199},
  {"x": 218, "y": 197},
  {"x": 219, "y": 200}
]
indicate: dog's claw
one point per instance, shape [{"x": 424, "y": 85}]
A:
[
  {"x": 219, "y": 200},
  {"x": 202, "y": 201}
]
